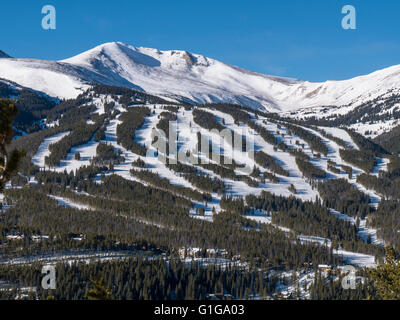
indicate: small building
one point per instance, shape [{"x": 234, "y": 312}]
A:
[
  {"x": 324, "y": 267},
  {"x": 189, "y": 252},
  {"x": 38, "y": 238},
  {"x": 15, "y": 237}
]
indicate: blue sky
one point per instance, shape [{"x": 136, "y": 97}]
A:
[{"x": 295, "y": 38}]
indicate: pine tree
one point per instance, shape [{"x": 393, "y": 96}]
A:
[
  {"x": 386, "y": 277},
  {"x": 98, "y": 292},
  {"x": 8, "y": 162}
]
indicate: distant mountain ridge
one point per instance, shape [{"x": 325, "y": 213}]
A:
[
  {"x": 182, "y": 76},
  {"x": 4, "y": 55}
]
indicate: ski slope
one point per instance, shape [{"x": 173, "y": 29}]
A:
[
  {"x": 187, "y": 131},
  {"x": 39, "y": 158}
]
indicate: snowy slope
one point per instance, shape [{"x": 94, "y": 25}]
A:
[
  {"x": 180, "y": 75},
  {"x": 39, "y": 158},
  {"x": 187, "y": 130},
  {"x": 55, "y": 79}
]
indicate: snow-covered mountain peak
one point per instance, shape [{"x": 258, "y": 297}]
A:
[
  {"x": 120, "y": 52},
  {"x": 184, "y": 76},
  {"x": 201, "y": 79},
  {"x": 111, "y": 50}
]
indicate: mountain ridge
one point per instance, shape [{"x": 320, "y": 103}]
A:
[
  {"x": 4, "y": 55},
  {"x": 182, "y": 76}
]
